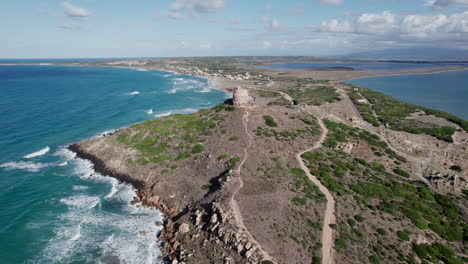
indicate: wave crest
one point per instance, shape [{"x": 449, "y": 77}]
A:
[{"x": 37, "y": 153}]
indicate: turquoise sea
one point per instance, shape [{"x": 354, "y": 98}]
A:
[
  {"x": 53, "y": 207},
  {"x": 446, "y": 91}
]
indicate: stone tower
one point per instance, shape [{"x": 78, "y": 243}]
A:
[{"x": 241, "y": 96}]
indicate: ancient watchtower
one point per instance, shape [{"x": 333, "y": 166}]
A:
[{"x": 241, "y": 96}]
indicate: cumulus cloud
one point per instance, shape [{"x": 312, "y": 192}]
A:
[
  {"x": 436, "y": 26},
  {"x": 207, "y": 6},
  {"x": 408, "y": 27},
  {"x": 330, "y": 2},
  {"x": 194, "y": 7},
  {"x": 438, "y": 4},
  {"x": 74, "y": 12},
  {"x": 335, "y": 26},
  {"x": 376, "y": 24}
]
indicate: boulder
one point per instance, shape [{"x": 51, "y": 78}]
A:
[{"x": 184, "y": 228}]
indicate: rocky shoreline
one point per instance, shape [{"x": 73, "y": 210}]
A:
[
  {"x": 200, "y": 226},
  {"x": 171, "y": 250}
]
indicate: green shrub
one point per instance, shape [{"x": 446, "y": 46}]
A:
[
  {"x": 298, "y": 201},
  {"x": 378, "y": 166},
  {"x": 456, "y": 168},
  {"x": 221, "y": 157},
  {"x": 316, "y": 260},
  {"x": 374, "y": 259},
  {"x": 183, "y": 156},
  {"x": 351, "y": 222},
  {"x": 359, "y": 218},
  {"x": 270, "y": 121},
  {"x": 197, "y": 149},
  {"x": 401, "y": 172},
  {"x": 381, "y": 231},
  {"x": 234, "y": 161},
  {"x": 207, "y": 186},
  {"x": 233, "y": 138},
  {"x": 403, "y": 235}
]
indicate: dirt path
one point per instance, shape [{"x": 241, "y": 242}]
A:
[
  {"x": 239, "y": 220},
  {"x": 329, "y": 216},
  {"x": 420, "y": 163}
]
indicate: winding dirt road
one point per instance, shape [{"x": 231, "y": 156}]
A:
[
  {"x": 329, "y": 216},
  {"x": 420, "y": 163},
  {"x": 238, "y": 219}
]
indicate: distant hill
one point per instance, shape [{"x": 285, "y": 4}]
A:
[{"x": 411, "y": 54}]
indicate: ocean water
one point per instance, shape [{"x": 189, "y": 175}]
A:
[
  {"x": 362, "y": 66},
  {"x": 53, "y": 207},
  {"x": 446, "y": 91}
]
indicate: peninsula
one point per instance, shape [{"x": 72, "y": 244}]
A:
[{"x": 297, "y": 168}]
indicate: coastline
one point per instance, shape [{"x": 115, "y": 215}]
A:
[
  {"x": 406, "y": 73},
  {"x": 170, "y": 246}
]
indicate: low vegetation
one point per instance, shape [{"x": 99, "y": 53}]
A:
[
  {"x": 372, "y": 191},
  {"x": 270, "y": 121},
  {"x": 395, "y": 114}
]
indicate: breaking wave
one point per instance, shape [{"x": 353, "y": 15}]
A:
[
  {"x": 37, "y": 153},
  {"x": 102, "y": 227}
]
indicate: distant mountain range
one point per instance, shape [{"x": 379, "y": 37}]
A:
[{"x": 411, "y": 54}]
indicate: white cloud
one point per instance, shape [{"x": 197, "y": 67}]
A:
[
  {"x": 207, "y": 6},
  {"x": 376, "y": 24},
  {"x": 438, "y": 4},
  {"x": 75, "y": 12},
  {"x": 177, "y": 5},
  {"x": 335, "y": 26},
  {"x": 331, "y": 2},
  {"x": 412, "y": 28},
  {"x": 436, "y": 26},
  {"x": 69, "y": 26},
  {"x": 194, "y": 7}
]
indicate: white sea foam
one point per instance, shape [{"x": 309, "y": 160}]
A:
[
  {"x": 172, "y": 91},
  {"x": 140, "y": 69},
  {"x": 149, "y": 111},
  {"x": 114, "y": 185},
  {"x": 134, "y": 93},
  {"x": 37, "y": 153},
  {"x": 124, "y": 236},
  {"x": 178, "y": 111},
  {"x": 25, "y": 165},
  {"x": 79, "y": 187},
  {"x": 163, "y": 114},
  {"x": 81, "y": 201}
]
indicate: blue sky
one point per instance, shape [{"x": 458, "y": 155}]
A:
[{"x": 159, "y": 28}]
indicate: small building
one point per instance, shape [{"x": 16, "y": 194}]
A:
[{"x": 241, "y": 96}]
